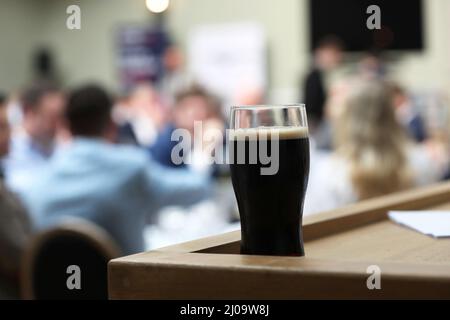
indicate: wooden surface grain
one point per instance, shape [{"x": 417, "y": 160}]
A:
[{"x": 339, "y": 246}]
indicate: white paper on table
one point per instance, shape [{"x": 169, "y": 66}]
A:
[{"x": 433, "y": 223}]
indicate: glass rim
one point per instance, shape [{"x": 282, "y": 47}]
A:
[{"x": 269, "y": 106}]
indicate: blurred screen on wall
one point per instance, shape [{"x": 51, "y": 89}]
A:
[{"x": 401, "y": 24}]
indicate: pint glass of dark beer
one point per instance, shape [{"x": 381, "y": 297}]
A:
[{"x": 269, "y": 162}]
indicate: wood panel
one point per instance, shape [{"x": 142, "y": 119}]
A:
[
  {"x": 339, "y": 244},
  {"x": 382, "y": 241}
]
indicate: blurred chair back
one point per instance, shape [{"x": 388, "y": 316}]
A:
[{"x": 68, "y": 261}]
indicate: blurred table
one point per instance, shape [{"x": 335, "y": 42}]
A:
[
  {"x": 175, "y": 224},
  {"x": 340, "y": 247}
]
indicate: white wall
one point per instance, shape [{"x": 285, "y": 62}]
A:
[
  {"x": 82, "y": 55},
  {"x": 89, "y": 54},
  {"x": 286, "y": 25},
  {"x": 19, "y": 22},
  {"x": 284, "y": 22}
]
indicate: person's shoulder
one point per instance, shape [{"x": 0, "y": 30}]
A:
[
  {"x": 18, "y": 146},
  {"x": 332, "y": 162},
  {"x": 417, "y": 154},
  {"x": 102, "y": 155},
  {"x": 334, "y": 172},
  {"x": 128, "y": 155},
  {"x": 314, "y": 73}
]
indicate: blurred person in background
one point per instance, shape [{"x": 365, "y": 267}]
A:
[
  {"x": 32, "y": 146},
  {"x": 249, "y": 96},
  {"x": 122, "y": 116},
  {"x": 327, "y": 57},
  {"x": 175, "y": 77},
  {"x": 373, "y": 154},
  {"x": 371, "y": 66},
  {"x": 194, "y": 104},
  {"x": 114, "y": 186},
  {"x": 141, "y": 116},
  {"x": 15, "y": 226},
  {"x": 407, "y": 115}
]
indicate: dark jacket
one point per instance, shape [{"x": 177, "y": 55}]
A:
[
  {"x": 314, "y": 96},
  {"x": 15, "y": 231}
]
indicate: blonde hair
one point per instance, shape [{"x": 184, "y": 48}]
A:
[{"x": 373, "y": 141}]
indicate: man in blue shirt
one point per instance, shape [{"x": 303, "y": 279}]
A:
[
  {"x": 113, "y": 186},
  {"x": 31, "y": 148}
]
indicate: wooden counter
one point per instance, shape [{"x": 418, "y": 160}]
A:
[{"x": 340, "y": 245}]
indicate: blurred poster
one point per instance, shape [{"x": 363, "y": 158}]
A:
[
  {"x": 230, "y": 59},
  {"x": 141, "y": 50}
]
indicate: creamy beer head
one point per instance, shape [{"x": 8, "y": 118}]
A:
[{"x": 282, "y": 133}]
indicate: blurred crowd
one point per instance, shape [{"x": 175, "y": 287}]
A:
[
  {"x": 84, "y": 153},
  {"x": 369, "y": 135}
]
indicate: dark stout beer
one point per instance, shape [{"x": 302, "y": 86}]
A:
[{"x": 270, "y": 206}]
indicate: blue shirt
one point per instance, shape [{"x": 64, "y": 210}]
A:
[
  {"x": 24, "y": 160},
  {"x": 161, "y": 150},
  {"x": 110, "y": 185}
]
